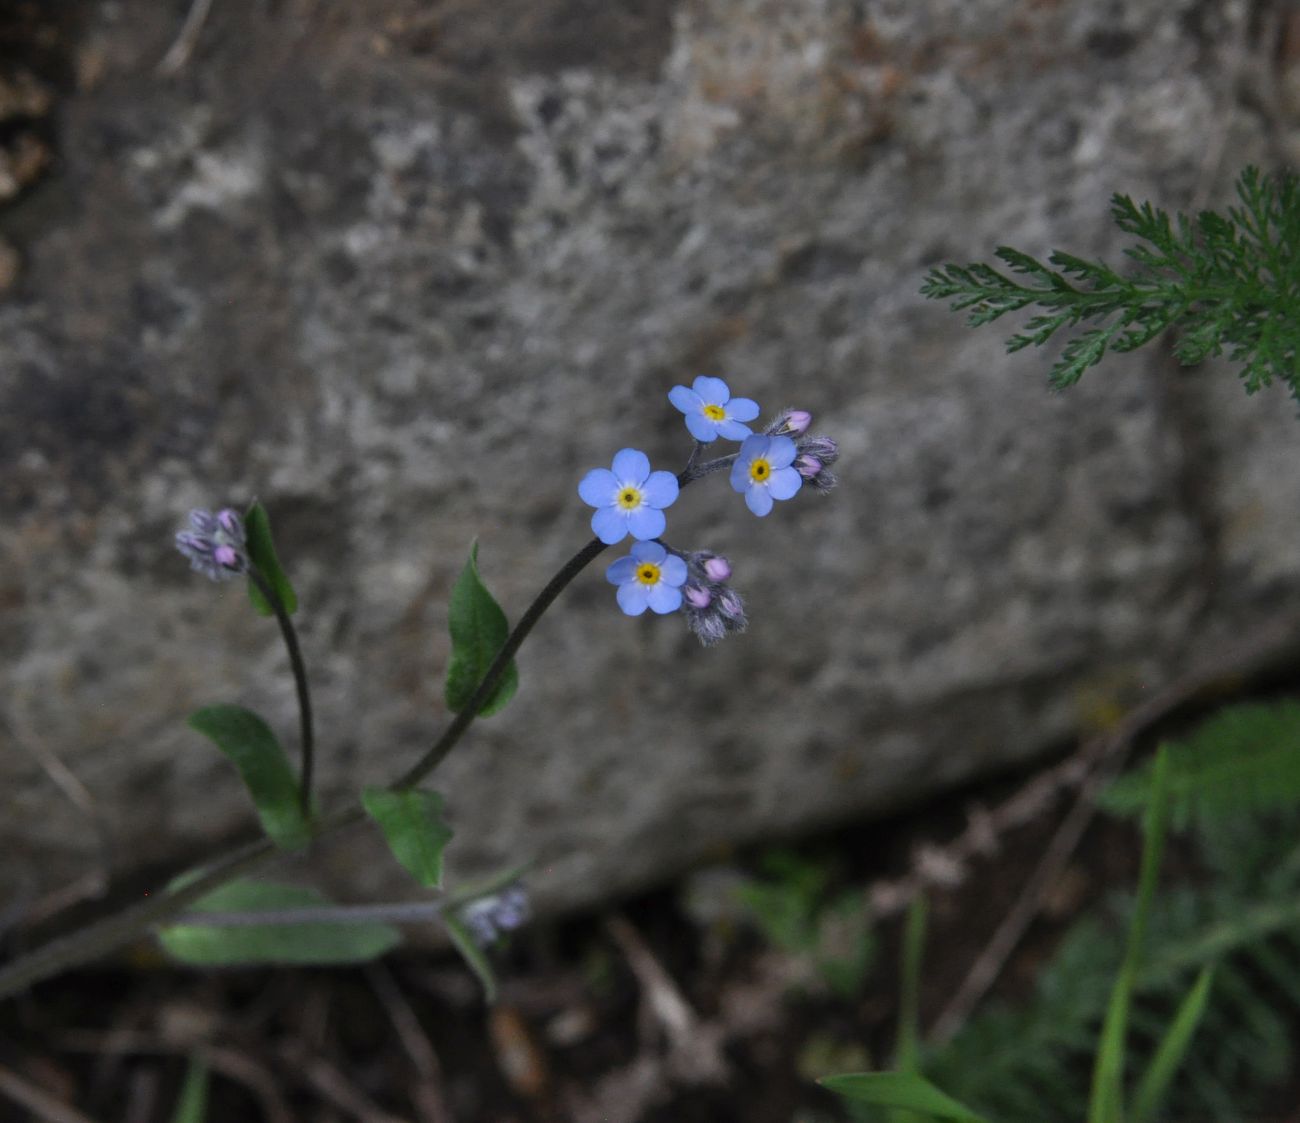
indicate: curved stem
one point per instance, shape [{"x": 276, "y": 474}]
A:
[
  {"x": 488, "y": 684},
  {"x": 305, "y": 734},
  {"x": 120, "y": 928}
]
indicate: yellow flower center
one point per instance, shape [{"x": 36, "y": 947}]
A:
[
  {"x": 715, "y": 413},
  {"x": 759, "y": 470},
  {"x": 629, "y": 498},
  {"x": 647, "y": 573}
]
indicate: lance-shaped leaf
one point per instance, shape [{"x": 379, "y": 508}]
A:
[
  {"x": 261, "y": 551},
  {"x": 900, "y": 1089},
  {"x": 474, "y": 956},
  {"x": 413, "y": 824},
  {"x": 478, "y": 631},
  {"x": 248, "y": 741},
  {"x": 285, "y": 941}
]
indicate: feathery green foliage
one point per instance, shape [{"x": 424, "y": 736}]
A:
[
  {"x": 1030, "y": 1063},
  {"x": 1226, "y": 283},
  {"x": 1244, "y": 759}
]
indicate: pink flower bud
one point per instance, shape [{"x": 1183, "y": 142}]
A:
[
  {"x": 226, "y": 556},
  {"x": 717, "y": 569},
  {"x": 797, "y": 421},
  {"x": 698, "y": 597},
  {"x": 808, "y": 466}
]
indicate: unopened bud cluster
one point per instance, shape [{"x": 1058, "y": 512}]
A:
[
  {"x": 713, "y": 609},
  {"x": 489, "y": 917},
  {"x": 215, "y": 544}
]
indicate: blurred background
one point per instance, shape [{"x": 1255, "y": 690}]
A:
[{"x": 405, "y": 271}]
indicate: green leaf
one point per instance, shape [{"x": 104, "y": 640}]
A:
[
  {"x": 478, "y": 631},
  {"x": 261, "y": 551},
  {"x": 1160, "y": 1075},
  {"x": 299, "y": 943},
  {"x": 413, "y": 825},
  {"x": 248, "y": 741},
  {"x": 900, "y": 1089},
  {"x": 192, "y": 1107},
  {"x": 473, "y": 955},
  {"x": 1106, "y": 1100}
]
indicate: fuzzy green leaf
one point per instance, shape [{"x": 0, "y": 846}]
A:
[
  {"x": 900, "y": 1089},
  {"x": 311, "y": 942},
  {"x": 261, "y": 551},
  {"x": 413, "y": 825},
  {"x": 249, "y": 743},
  {"x": 478, "y": 631}
]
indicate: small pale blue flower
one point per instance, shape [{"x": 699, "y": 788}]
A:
[
  {"x": 629, "y": 499},
  {"x": 650, "y": 577},
  {"x": 763, "y": 471},
  {"x": 712, "y": 412}
]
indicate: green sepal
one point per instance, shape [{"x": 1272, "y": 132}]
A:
[
  {"x": 249, "y": 743},
  {"x": 414, "y": 827},
  {"x": 900, "y": 1090},
  {"x": 310, "y": 943},
  {"x": 478, "y": 631},
  {"x": 261, "y": 552}
]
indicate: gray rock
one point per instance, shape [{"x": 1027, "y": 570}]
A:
[{"x": 406, "y": 275}]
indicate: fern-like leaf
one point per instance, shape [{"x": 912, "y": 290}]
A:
[{"x": 1223, "y": 282}]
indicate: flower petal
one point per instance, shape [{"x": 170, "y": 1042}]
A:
[
  {"x": 781, "y": 452},
  {"x": 646, "y": 522},
  {"x": 631, "y": 466},
  {"x": 688, "y": 401},
  {"x": 740, "y": 472},
  {"x": 742, "y": 409},
  {"x": 673, "y": 571},
  {"x": 734, "y": 430},
  {"x": 598, "y": 487},
  {"x": 784, "y": 483},
  {"x": 621, "y": 571},
  {"x": 660, "y": 490},
  {"x": 651, "y": 552},
  {"x": 632, "y": 598},
  {"x": 756, "y": 445},
  {"x": 609, "y": 525},
  {"x": 702, "y": 429},
  {"x": 759, "y": 500},
  {"x": 664, "y": 598},
  {"x": 712, "y": 390}
]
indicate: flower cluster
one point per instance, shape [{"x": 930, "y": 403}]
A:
[
  {"x": 215, "y": 544},
  {"x": 488, "y": 917},
  {"x": 630, "y": 499}
]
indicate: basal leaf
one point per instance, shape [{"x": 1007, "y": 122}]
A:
[
  {"x": 478, "y": 631},
  {"x": 900, "y": 1089},
  {"x": 248, "y": 741},
  {"x": 261, "y": 550},
  {"x": 310, "y": 942},
  {"x": 414, "y": 827}
]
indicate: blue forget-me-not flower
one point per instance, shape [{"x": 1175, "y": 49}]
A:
[
  {"x": 763, "y": 471},
  {"x": 650, "y": 577},
  {"x": 628, "y": 497},
  {"x": 712, "y": 412},
  {"x": 488, "y": 917}
]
